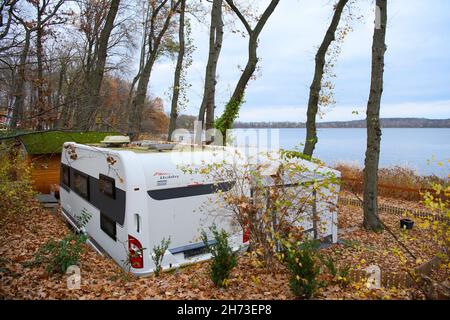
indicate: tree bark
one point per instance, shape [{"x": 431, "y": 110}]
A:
[
  {"x": 10, "y": 4},
  {"x": 17, "y": 114},
  {"x": 61, "y": 108},
  {"x": 215, "y": 45},
  {"x": 231, "y": 112},
  {"x": 371, "y": 220},
  {"x": 40, "y": 71},
  {"x": 137, "y": 106},
  {"x": 178, "y": 70},
  {"x": 316, "y": 85},
  {"x": 142, "y": 56},
  {"x": 86, "y": 115}
]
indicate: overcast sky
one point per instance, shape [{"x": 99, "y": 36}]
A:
[{"x": 417, "y": 72}]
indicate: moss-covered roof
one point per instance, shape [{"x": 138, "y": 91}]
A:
[{"x": 52, "y": 141}]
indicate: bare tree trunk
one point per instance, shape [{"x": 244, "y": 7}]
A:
[
  {"x": 60, "y": 108},
  {"x": 86, "y": 116},
  {"x": 143, "y": 55},
  {"x": 371, "y": 220},
  {"x": 17, "y": 114},
  {"x": 215, "y": 45},
  {"x": 40, "y": 110},
  {"x": 231, "y": 112},
  {"x": 316, "y": 85},
  {"x": 178, "y": 70},
  {"x": 137, "y": 106}
]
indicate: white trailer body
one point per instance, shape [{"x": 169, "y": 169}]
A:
[{"x": 134, "y": 198}]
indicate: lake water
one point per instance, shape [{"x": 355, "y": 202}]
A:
[{"x": 399, "y": 147}]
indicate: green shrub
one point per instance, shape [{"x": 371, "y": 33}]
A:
[
  {"x": 223, "y": 258},
  {"x": 303, "y": 264},
  {"x": 437, "y": 200},
  {"x": 59, "y": 255},
  {"x": 158, "y": 255},
  {"x": 15, "y": 185}
]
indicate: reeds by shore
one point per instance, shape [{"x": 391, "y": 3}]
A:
[{"x": 394, "y": 182}]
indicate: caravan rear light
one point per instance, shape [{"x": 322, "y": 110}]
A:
[
  {"x": 246, "y": 234},
  {"x": 136, "y": 253}
]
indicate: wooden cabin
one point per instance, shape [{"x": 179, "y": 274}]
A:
[{"x": 43, "y": 150}]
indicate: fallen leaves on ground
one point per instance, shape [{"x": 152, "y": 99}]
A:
[{"x": 102, "y": 278}]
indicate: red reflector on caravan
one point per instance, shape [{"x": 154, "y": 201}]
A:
[
  {"x": 246, "y": 234},
  {"x": 136, "y": 253}
]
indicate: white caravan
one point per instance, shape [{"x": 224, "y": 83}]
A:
[{"x": 134, "y": 197}]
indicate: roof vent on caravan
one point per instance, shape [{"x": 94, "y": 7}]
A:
[
  {"x": 161, "y": 146},
  {"x": 115, "y": 141},
  {"x": 153, "y": 145}
]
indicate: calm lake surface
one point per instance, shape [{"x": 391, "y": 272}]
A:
[{"x": 412, "y": 148}]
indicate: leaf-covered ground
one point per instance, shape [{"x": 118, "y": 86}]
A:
[{"x": 21, "y": 236}]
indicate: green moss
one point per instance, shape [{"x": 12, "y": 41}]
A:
[{"x": 52, "y": 141}]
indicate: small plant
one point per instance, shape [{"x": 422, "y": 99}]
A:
[
  {"x": 158, "y": 255},
  {"x": 83, "y": 218},
  {"x": 223, "y": 257},
  {"x": 353, "y": 244},
  {"x": 339, "y": 274},
  {"x": 330, "y": 265},
  {"x": 303, "y": 263},
  {"x": 60, "y": 255}
]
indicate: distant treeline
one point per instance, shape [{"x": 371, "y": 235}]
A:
[{"x": 385, "y": 123}]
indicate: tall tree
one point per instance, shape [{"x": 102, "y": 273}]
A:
[
  {"x": 316, "y": 85},
  {"x": 178, "y": 71},
  {"x": 64, "y": 57},
  {"x": 371, "y": 220},
  {"x": 215, "y": 45},
  {"x": 86, "y": 115},
  {"x": 19, "y": 88},
  {"x": 231, "y": 112},
  {"x": 146, "y": 12},
  {"x": 6, "y": 9},
  {"x": 46, "y": 15},
  {"x": 162, "y": 13}
]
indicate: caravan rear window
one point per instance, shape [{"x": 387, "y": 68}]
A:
[
  {"x": 81, "y": 184},
  {"x": 107, "y": 186},
  {"x": 65, "y": 176}
]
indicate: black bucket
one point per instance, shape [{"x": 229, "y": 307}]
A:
[{"x": 406, "y": 224}]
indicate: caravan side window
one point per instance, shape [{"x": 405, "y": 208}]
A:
[
  {"x": 65, "y": 176},
  {"x": 108, "y": 226},
  {"x": 107, "y": 186},
  {"x": 81, "y": 184}
]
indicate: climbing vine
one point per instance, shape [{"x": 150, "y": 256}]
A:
[{"x": 226, "y": 120}]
